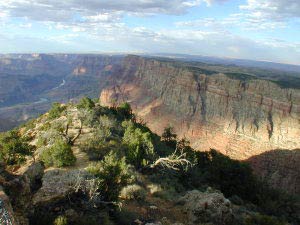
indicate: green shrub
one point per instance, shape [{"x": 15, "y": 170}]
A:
[
  {"x": 169, "y": 137},
  {"x": 61, "y": 220},
  {"x": 125, "y": 111},
  {"x": 56, "y": 110},
  {"x": 112, "y": 174},
  {"x": 140, "y": 149},
  {"x": 86, "y": 103},
  {"x": 59, "y": 154},
  {"x": 14, "y": 148},
  {"x": 134, "y": 192},
  {"x": 46, "y": 126},
  {"x": 97, "y": 149}
]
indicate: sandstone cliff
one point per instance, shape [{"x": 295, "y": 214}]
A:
[{"x": 239, "y": 117}]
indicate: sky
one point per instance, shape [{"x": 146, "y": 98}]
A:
[{"x": 267, "y": 30}]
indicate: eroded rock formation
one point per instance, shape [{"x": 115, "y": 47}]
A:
[{"x": 241, "y": 118}]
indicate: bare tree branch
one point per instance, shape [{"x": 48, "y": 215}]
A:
[{"x": 173, "y": 162}]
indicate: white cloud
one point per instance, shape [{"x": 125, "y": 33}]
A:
[
  {"x": 97, "y": 25},
  {"x": 26, "y": 25},
  {"x": 273, "y": 9},
  {"x": 3, "y": 14},
  {"x": 241, "y": 20},
  {"x": 69, "y": 10}
]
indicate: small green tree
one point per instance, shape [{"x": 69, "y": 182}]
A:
[
  {"x": 140, "y": 149},
  {"x": 86, "y": 103},
  {"x": 125, "y": 111},
  {"x": 59, "y": 154},
  {"x": 112, "y": 175},
  {"x": 14, "y": 148},
  {"x": 169, "y": 137},
  {"x": 56, "y": 110}
]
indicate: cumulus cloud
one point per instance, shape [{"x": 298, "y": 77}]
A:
[
  {"x": 244, "y": 21},
  {"x": 66, "y": 10},
  {"x": 255, "y": 15},
  {"x": 273, "y": 9}
]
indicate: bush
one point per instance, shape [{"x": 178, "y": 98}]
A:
[
  {"x": 61, "y": 220},
  {"x": 97, "y": 149},
  {"x": 140, "y": 149},
  {"x": 125, "y": 111},
  {"x": 86, "y": 103},
  {"x": 112, "y": 175},
  {"x": 56, "y": 110},
  {"x": 59, "y": 154},
  {"x": 14, "y": 148},
  {"x": 169, "y": 137},
  {"x": 134, "y": 192}
]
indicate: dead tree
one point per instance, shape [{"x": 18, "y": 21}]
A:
[
  {"x": 173, "y": 162},
  {"x": 65, "y": 134}
]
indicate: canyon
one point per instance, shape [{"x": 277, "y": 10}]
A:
[
  {"x": 247, "y": 113},
  {"x": 29, "y": 83},
  {"x": 242, "y": 118}
]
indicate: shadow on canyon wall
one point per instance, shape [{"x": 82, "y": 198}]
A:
[{"x": 280, "y": 168}]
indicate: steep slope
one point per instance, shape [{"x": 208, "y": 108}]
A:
[{"x": 240, "y": 116}]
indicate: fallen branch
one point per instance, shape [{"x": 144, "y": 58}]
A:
[{"x": 173, "y": 162}]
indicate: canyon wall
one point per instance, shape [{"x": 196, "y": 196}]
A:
[{"x": 241, "y": 118}]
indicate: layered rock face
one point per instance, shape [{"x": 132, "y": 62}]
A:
[{"x": 241, "y": 118}]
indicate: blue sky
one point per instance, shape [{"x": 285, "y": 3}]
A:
[{"x": 251, "y": 29}]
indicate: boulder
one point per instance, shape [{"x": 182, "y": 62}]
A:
[
  {"x": 210, "y": 207},
  {"x": 34, "y": 175},
  {"x": 56, "y": 185}
]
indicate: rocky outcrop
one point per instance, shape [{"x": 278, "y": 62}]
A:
[
  {"x": 207, "y": 208},
  {"x": 6, "y": 213},
  {"x": 56, "y": 185},
  {"x": 19, "y": 188},
  {"x": 239, "y": 117}
]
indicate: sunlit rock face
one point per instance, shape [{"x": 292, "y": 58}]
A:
[{"x": 237, "y": 117}]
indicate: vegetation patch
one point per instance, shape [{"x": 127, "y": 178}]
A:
[
  {"x": 134, "y": 165},
  {"x": 59, "y": 154},
  {"x": 14, "y": 148}
]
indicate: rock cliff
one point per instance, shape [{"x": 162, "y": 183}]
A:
[{"x": 241, "y": 117}]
